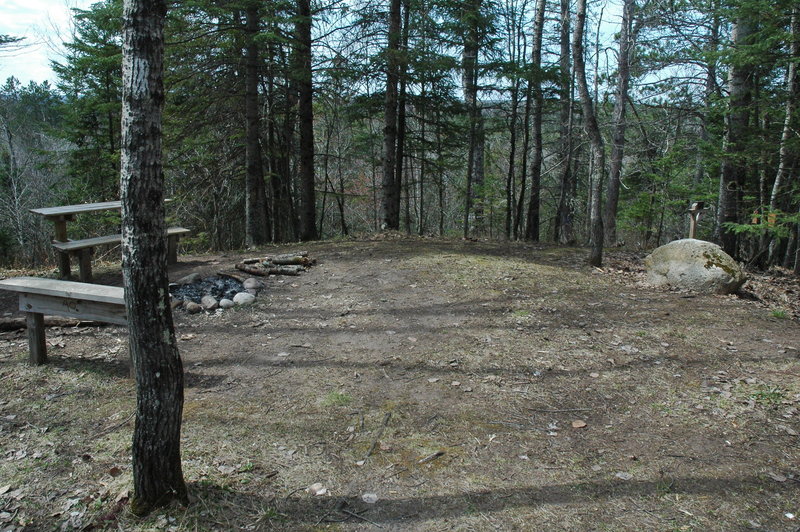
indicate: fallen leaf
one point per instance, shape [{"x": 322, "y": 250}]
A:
[
  {"x": 622, "y": 475},
  {"x": 115, "y": 471},
  {"x": 578, "y": 424},
  {"x": 594, "y": 375},
  {"x": 17, "y": 494},
  {"x": 226, "y": 469},
  {"x": 777, "y": 477},
  {"x": 5, "y": 489},
  {"x": 789, "y": 430},
  {"x": 317, "y": 489},
  {"x": 369, "y": 498},
  {"x": 433, "y": 379}
]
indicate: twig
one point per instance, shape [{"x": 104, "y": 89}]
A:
[
  {"x": 398, "y": 472},
  {"x": 496, "y": 527},
  {"x": 353, "y": 514},
  {"x": 521, "y": 426},
  {"x": 115, "y": 427},
  {"x": 378, "y": 434},
  {"x": 430, "y": 457},
  {"x": 645, "y": 510},
  {"x": 556, "y": 410},
  {"x": 293, "y": 492}
]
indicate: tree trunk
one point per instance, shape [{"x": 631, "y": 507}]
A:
[
  {"x": 157, "y": 474},
  {"x": 469, "y": 66},
  {"x": 391, "y": 191},
  {"x": 523, "y": 178},
  {"x": 308, "y": 202},
  {"x": 512, "y": 158},
  {"x": 734, "y": 168},
  {"x": 711, "y": 88},
  {"x": 564, "y": 232},
  {"x": 532, "y": 224},
  {"x": 619, "y": 123},
  {"x": 789, "y": 126},
  {"x": 596, "y": 139},
  {"x": 255, "y": 194},
  {"x": 401, "y": 180}
]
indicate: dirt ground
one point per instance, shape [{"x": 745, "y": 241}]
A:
[{"x": 419, "y": 384}]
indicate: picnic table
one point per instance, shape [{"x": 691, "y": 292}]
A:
[{"x": 65, "y": 247}]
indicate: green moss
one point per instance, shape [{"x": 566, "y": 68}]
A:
[{"x": 715, "y": 259}]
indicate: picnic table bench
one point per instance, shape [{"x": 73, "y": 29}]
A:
[
  {"x": 38, "y": 296},
  {"x": 84, "y": 248}
]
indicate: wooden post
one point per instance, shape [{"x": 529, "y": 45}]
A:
[
  {"x": 60, "y": 225},
  {"x": 172, "y": 249},
  {"x": 694, "y": 215},
  {"x": 85, "y": 264},
  {"x": 36, "y": 342}
]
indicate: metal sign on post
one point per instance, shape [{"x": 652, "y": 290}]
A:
[{"x": 695, "y": 211}]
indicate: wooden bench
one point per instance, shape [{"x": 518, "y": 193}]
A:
[
  {"x": 83, "y": 249},
  {"x": 38, "y": 297}
]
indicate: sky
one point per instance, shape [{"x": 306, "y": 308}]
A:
[
  {"x": 46, "y": 23},
  {"x": 40, "y": 22}
]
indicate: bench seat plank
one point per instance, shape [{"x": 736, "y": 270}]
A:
[
  {"x": 74, "y": 245},
  {"x": 77, "y": 308},
  {"x": 68, "y": 210},
  {"x": 65, "y": 289}
]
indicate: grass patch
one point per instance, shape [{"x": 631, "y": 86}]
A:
[
  {"x": 768, "y": 395},
  {"x": 335, "y": 398}
]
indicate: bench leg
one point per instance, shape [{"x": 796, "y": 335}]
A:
[
  {"x": 63, "y": 265},
  {"x": 172, "y": 250},
  {"x": 85, "y": 265},
  {"x": 60, "y": 226},
  {"x": 36, "y": 343}
]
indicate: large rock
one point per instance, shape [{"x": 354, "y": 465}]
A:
[
  {"x": 189, "y": 279},
  {"x": 209, "y": 303},
  {"x": 251, "y": 283},
  {"x": 694, "y": 265},
  {"x": 243, "y": 298},
  {"x": 192, "y": 307}
]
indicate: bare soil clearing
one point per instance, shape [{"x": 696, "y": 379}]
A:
[{"x": 427, "y": 385}]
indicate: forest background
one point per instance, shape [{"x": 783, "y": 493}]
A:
[{"x": 514, "y": 119}]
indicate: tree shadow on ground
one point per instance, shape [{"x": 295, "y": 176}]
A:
[
  {"x": 117, "y": 368},
  {"x": 239, "y": 509}
]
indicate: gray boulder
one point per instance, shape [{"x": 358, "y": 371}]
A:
[
  {"x": 694, "y": 265},
  {"x": 209, "y": 303},
  {"x": 189, "y": 279},
  {"x": 225, "y": 303},
  {"x": 192, "y": 307},
  {"x": 251, "y": 283},
  {"x": 243, "y": 298}
]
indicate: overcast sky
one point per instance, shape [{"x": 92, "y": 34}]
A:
[{"x": 40, "y": 22}]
